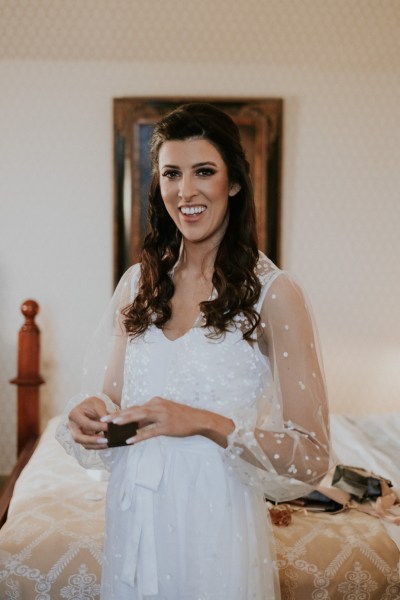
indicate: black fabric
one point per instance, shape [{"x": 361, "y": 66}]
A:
[{"x": 359, "y": 483}]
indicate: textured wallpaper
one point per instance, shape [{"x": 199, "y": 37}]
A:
[
  {"x": 335, "y": 64},
  {"x": 264, "y": 32}
]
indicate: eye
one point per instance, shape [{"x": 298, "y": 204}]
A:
[
  {"x": 170, "y": 173},
  {"x": 205, "y": 172}
]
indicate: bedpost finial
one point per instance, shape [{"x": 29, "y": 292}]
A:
[{"x": 29, "y": 309}]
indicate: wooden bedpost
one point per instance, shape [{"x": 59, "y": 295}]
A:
[{"x": 28, "y": 379}]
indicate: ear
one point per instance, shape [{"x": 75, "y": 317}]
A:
[{"x": 234, "y": 189}]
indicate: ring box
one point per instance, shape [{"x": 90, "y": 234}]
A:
[{"x": 118, "y": 434}]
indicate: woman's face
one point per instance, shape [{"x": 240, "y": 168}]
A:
[{"x": 195, "y": 188}]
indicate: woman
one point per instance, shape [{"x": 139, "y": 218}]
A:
[{"x": 214, "y": 356}]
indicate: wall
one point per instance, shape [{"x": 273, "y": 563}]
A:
[{"x": 335, "y": 63}]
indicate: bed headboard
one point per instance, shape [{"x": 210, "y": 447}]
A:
[{"x": 27, "y": 381}]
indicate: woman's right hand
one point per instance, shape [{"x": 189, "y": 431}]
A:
[{"x": 85, "y": 425}]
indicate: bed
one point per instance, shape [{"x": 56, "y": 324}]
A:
[{"x": 51, "y": 541}]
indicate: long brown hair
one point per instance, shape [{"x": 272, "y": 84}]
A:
[{"x": 234, "y": 278}]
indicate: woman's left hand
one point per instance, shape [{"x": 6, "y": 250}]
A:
[{"x": 165, "y": 417}]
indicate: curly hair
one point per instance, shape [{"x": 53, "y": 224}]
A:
[{"x": 234, "y": 279}]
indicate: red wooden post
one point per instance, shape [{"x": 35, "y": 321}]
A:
[{"x": 28, "y": 379}]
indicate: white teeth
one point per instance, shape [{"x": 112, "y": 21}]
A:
[{"x": 192, "y": 210}]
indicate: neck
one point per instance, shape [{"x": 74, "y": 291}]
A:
[{"x": 197, "y": 259}]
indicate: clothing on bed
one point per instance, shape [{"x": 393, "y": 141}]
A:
[{"x": 186, "y": 518}]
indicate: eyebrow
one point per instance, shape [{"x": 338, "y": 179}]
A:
[{"x": 195, "y": 166}]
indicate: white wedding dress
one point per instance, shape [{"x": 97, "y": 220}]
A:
[{"x": 185, "y": 518}]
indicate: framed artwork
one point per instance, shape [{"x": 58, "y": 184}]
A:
[{"x": 260, "y": 125}]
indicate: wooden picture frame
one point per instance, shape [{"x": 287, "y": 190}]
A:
[{"x": 260, "y": 124}]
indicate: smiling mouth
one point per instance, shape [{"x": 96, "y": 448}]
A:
[{"x": 192, "y": 210}]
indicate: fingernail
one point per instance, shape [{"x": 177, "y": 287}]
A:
[
  {"x": 131, "y": 440},
  {"x": 106, "y": 418},
  {"x": 101, "y": 440},
  {"x": 117, "y": 420}
]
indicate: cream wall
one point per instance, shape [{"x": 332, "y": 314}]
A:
[{"x": 336, "y": 65}]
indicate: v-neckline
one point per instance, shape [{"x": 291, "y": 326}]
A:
[{"x": 194, "y": 326}]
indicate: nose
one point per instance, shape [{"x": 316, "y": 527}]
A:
[{"x": 187, "y": 188}]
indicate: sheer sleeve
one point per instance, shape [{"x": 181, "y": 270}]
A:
[
  {"x": 285, "y": 448},
  {"x": 103, "y": 370}
]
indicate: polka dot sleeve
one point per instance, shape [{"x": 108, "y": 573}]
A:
[
  {"x": 103, "y": 371},
  {"x": 287, "y": 450}
]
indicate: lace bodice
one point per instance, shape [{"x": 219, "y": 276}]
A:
[{"x": 224, "y": 375}]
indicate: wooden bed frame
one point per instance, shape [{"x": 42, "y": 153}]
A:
[{"x": 27, "y": 381}]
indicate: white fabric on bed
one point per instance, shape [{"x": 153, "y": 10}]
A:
[
  {"x": 51, "y": 469},
  {"x": 368, "y": 441},
  {"x": 373, "y": 443}
]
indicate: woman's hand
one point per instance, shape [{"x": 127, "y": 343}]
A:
[
  {"x": 165, "y": 417},
  {"x": 85, "y": 424}
]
